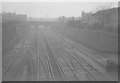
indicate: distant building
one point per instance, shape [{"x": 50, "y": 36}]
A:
[
  {"x": 86, "y": 17},
  {"x": 62, "y": 19},
  {"x": 107, "y": 18},
  {"x": 13, "y": 17}
]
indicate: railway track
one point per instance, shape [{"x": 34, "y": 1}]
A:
[
  {"x": 97, "y": 75},
  {"x": 16, "y": 64},
  {"x": 57, "y": 72},
  {"x": 88, "y": 68},
  {"x": 73, "y": 76},
  {"x": 47, "y": 56},
  {"x": 68, "y": 63},
  {"x": 63, "y": 66},
  {"x": 77, "y": 46},
  {"x": 13, "y": 69},
  {"x": 47, "y": 65}
]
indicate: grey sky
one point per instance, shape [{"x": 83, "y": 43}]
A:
[{"x": 51, "y": 9}]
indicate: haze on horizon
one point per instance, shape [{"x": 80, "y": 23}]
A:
[{"x": 52, "y": 9}]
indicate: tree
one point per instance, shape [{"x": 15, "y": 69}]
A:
[{"x": 103, "y": 7}]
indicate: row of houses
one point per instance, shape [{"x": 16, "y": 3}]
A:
[{"x": 106, "y": 18}]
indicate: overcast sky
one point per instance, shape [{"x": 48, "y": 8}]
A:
[{"x": 52, "y": 9}]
